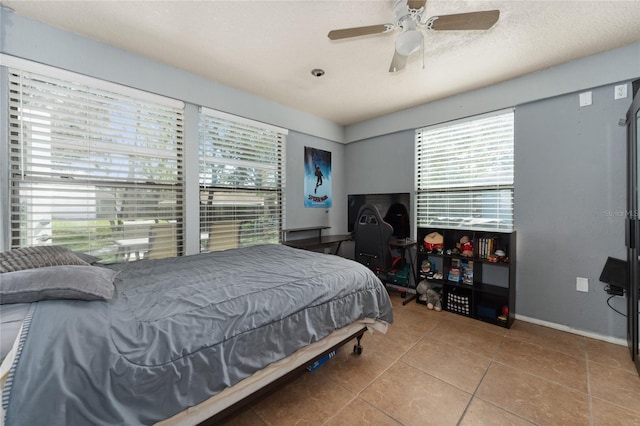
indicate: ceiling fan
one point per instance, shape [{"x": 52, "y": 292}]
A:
[{"x": 408, "y": 16}]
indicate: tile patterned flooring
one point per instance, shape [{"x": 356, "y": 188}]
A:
[{"x": 438, "y": 368}]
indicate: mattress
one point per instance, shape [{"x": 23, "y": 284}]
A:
[
  {"x": 179, "y": 331},
  {"x": 11, "y": 317}
]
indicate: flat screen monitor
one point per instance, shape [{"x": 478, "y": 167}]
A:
[
  {"x": 614, "y": 273},
  {"x": 393, "y": 207}
]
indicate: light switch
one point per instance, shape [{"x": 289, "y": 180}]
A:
[
  {"x": 585, "y": 99},
  {"x": 582, "y": 284}
]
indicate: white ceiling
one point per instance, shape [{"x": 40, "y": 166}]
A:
[{"x": 269, "y": 48}]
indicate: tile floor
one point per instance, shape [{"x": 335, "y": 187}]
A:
[{"x": 438, "y": 368}]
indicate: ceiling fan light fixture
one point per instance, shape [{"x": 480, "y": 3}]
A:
[{"x": 409, "y": 42}]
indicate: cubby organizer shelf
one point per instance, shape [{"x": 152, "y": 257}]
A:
[{"x": 482, "y": 286}]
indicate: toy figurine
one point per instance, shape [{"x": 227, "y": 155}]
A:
[{"x": 465, "y": 247}]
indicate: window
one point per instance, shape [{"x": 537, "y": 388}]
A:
[
  {"x": 242, "y": 181},
  {"x": 94, "y": 166},
  {"x": 465, "y": 173}
]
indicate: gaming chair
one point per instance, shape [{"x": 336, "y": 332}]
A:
[{"x": 372, "y": 235}]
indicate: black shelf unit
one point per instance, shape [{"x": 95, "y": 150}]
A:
[{"x": 490, "y": 286}]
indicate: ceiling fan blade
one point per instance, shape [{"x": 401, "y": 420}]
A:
[
  {"x": 398, "y": 62},
  {"x": 359, "y": 31},
  {"x": 464, "y": 21},
  {"x": 416, "y": 4}
]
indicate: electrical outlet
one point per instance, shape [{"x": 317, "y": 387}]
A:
[
  {"x": 620, "y": 92},
  {"x": 582, "y": 284}
]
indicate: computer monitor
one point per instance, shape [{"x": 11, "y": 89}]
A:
[
  {"x": 387, "y": 204},
  {"x": 615, "y": 273}
]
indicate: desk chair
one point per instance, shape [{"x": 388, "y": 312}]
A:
[{"x": 372, "y": 235}]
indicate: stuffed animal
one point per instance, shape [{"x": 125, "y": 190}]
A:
[
  {"x": 427, "y": 294},
  {"x": 465, "y": 247},
  {"x": 433, "y": 242}
]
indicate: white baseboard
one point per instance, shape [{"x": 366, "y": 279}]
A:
[{"x": 609, "y": 339}]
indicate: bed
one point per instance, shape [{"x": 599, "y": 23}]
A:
[{"x": 181, "y": 340}]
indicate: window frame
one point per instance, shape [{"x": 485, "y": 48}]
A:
[
  {"x": 481, "y": 196},
  {"x": 256, "y": 184},
  {"x": 134, "y": 101}
]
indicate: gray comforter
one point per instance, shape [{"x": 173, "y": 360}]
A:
[{"x": 180, "y": 330}]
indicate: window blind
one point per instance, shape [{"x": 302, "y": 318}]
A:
[
  {"x": 94, "y": 168},
  {"x": 465, "y": 173},
  {"x": 242, "y": 181}
]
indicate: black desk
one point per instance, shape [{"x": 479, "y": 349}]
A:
[
  {"x": 319, "y": 242},
  {"x": 285, "y": 232}
]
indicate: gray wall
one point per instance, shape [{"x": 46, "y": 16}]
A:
[
  {"x": 569, "y": 184},
  {"x": 382, "y": 164},
  {"x": 297, "y": 216}
]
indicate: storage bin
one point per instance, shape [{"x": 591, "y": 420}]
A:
[
  {"x": 400, "y": 276},
  {"x": 486, "y": 311},
  {"x": 458, "y": 303}
]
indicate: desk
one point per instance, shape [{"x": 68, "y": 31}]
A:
[
  {"x": 308, "y": 228},
  {"x": 319, "y": 242}
]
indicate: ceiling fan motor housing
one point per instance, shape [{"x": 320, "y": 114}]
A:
[{"x": 409, "y": 42}]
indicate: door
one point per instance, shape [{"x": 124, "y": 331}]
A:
[{"x": 633, "y": 225}]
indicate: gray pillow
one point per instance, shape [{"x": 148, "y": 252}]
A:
[
  {"x": 37, "y": 257},
  {"x": 57, "y": 282}
]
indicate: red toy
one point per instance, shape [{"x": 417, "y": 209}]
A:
[{"x": 465, "y": 246}]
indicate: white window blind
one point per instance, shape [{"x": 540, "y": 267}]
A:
[
  {"x": 242, "y": 181},
  {"x": 465, "y": 173},
  {"x": 94, "y": 168}
]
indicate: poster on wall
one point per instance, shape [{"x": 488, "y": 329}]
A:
[{"x": 317, "y": 177}]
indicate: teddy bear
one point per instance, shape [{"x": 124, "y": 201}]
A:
[
  {"x": 429, "y": 295},
  {"x": 465, "y": 247}
]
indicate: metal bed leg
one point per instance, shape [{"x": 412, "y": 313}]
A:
[{"x": 357, "y": 348}]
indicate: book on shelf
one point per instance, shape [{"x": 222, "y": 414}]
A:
[
  {"x": 466, "y": 268},
  {"x": 454, "y": 271},
  {"x": 486, "y": 247}
]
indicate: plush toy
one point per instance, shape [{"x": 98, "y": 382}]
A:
[
  {"x": 427, "y": 269},
  {"x": 433, "y": 242},
  {"x": 429, "y": 295},
  {"x": 465, "y": 247}
]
